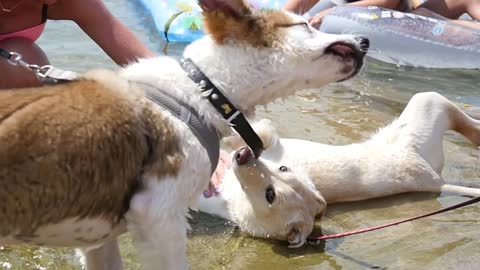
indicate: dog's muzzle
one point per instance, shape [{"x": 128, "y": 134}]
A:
[{"x": 354, "y": 51}]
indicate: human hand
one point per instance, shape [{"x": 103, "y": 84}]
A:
[{"x": 316, "y": 20}]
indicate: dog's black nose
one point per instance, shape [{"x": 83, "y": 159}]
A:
[
  {"x": 364, "y": 43},
  {"x": 243, "y": 155}
]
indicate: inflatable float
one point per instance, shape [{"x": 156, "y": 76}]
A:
[
  {"x": 407, "y": 39},
  {"x": 395, "y": 37},
  {"x": 181, "y": 20}
]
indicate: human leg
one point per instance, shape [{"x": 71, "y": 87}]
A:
[{"x": 453, "y": 9}]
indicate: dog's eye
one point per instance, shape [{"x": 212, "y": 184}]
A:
[
  {"x": 270, "y": 195},
  {"x": 283, "y": 169},
  {"x": 302, "y": 24},
  {"x": 306, "y": 26}
]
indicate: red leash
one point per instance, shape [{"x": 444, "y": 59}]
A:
[{"x": 316, "y": 240}]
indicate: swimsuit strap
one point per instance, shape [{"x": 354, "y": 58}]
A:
[{"x": 44, "y": 13}]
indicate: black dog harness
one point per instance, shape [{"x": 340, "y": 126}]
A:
[{"x": 206, "y": 135}]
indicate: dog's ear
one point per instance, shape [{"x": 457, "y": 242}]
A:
[
  {"x": 267, "y": 132},
  {"x": 264, "y": 129},
  {"x": 229, "y": 8},
  {"x": 229, "y": 19},
  {"x": 322, "y": 205}
]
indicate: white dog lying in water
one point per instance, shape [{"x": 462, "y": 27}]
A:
[{"x": 280, "y": 194}]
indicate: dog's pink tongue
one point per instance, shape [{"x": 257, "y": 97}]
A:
[
  {"x": 342, "y": 49},
  {"x": 224, "y": 163}
]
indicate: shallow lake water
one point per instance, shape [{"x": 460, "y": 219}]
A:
[{"x": 336, "y": 114}]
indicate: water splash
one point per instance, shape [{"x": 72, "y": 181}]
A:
[{"x": 6, "y": 265}]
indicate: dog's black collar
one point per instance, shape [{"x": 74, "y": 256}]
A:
[
  {"x": 206, "y": 135},
  {"x": 234, "y": 117}
]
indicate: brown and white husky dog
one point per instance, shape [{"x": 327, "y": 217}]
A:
[{"x": 83, "y": 162}]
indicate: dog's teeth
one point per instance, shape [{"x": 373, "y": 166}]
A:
[
  {"x": 214, "y": 96},
  {"x": 202, "y": 84}
]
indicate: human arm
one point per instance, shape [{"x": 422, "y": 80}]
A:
[
  {"x": 102, "y": 27},
  {"x": 299, "y": 6}
]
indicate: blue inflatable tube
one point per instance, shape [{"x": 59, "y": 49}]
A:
[
  {"x": 181, "y": 21},
  {"x": 407, "y": 39},
  {"x": 176, "y": 21}
]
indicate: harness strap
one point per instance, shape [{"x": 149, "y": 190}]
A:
[
  {"x": 206, "y": 135},
  {"x": 53, "y": 75},
  {"x": 5, "y": 54}
]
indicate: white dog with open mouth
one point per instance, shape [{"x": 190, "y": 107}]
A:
[
  {"x": 280, "y": 194},
  {"x": 83, "y": 162}
]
